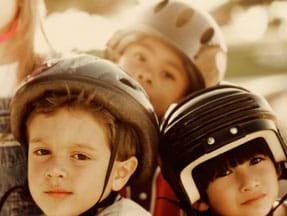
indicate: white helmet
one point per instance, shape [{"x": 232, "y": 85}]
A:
[{"x": 192, "y": 31}]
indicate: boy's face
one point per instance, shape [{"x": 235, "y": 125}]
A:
[
  {"x": 248, "y": 189},
  {"x": 67, "y": 161},
  {"x": 159, "y": 69}
]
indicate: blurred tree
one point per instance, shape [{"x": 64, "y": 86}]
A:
[{"x": 103, "y": 7}]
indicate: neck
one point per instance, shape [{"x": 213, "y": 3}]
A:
[
  {"x": 102, "y": 204},
  {"x": 281, "y": 211},
  {"x": 7, "y": 57}
]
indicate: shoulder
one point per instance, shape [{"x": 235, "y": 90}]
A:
[
  {"x": 130, "y": 207},
  {"x": 124, "y": 207}
]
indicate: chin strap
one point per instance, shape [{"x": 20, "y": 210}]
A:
[
  {"x": 12, "y": 31},
  {"x": 280, "y": 203},
  {"x": 100, "y": 204}
]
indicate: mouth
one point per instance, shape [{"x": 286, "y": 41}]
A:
[
  {"x": 254, "y": 199},
  {"x": 58, "y": 193}
]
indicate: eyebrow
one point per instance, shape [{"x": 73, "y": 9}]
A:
[
  {"x": 35, "y": 140},
  {"x": 74, "y": 145},
  {"x": 173, "y": 65},
  {"x": 82, "y": 146},
  {"x": 146, "y": 46}
]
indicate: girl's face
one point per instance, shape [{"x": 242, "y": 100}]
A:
[
  {"x": 67, "y": 161},
  {"x": 8, "y": 10},
  {"x": 159, "y": 69},
  {"x": 248, "y": 189}
]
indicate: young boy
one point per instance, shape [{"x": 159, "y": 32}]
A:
[
  {"x": 88, "y": 129},
  {"x": 172, "y": 48},
  {"x": 228, "y": 154}
]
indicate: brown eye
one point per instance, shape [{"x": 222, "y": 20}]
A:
[
  {"x": 41, "y": 152},
  {"x": 168, "y": 75},
  {"x": 256, "y": 160},
  {"x": 223, "y": 173},
  {"x": 80, "y": 157}
]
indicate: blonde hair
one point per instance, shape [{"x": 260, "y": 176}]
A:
[{"x": 20, "y": 48}]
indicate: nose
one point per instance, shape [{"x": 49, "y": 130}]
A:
[
  {"x": 55, "y": 172},
  {"x": 144, "y": 75},
  {"x": 248, "y": 181}
]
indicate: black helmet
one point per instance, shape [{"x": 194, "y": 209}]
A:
[
  {"x": 113, "y": 89},
  {"x": 209, "y": 123}
]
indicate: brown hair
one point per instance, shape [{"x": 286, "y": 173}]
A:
[{"x": 113, "y": 127}]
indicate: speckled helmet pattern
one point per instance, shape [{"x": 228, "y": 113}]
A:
[
  {"x": 192, "y": 31},
  {"x": 112, "y": 88},
  {"x": 210, "y": 123}
]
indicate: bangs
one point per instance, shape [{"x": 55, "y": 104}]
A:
[{"x": 208, "y": 171}]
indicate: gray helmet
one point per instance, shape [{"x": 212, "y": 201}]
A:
[
  {"x": 210, "y": 123},
  {"x": 113, "y": 89},
  {"x": 192, "y": 31}
]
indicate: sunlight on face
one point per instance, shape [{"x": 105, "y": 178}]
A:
[
  {"x": 159, "y": 69},
  {"x": 67, "y": 161},
  {"x": 248, "y": 189}
]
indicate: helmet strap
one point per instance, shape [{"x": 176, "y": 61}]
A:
[
  {"x": 274, "y": 208},
  {"x": 110, "y": 199}
]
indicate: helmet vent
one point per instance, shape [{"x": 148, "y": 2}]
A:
[
  {"x": 184, "y": 17},
  {"x": 206, "y": 119},
  {"x": 207, "y": 35},
  {"x": 160, "y": 6},
  {"x": 127, "y": 83}
]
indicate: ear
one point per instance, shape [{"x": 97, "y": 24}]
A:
[
  {"x": 200, "y": 206},
  {"x": 122, "y": 172}
]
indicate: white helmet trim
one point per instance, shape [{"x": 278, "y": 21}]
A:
[{"x": 186, "y": 174}]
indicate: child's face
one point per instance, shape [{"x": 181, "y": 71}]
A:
[
  {"x": 248, "y": 189},
  {"x": 67, "y": 161},
  {"x": 8, "y": 9},
  {"x": 159, "y": 69}
]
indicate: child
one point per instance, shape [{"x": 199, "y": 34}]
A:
[
  {"x": 18, "y": 23},
  {"x": 227, "y": 153},
  {"x": 170, "y": 58},
  {"x": 172, "y": 49},
  {"x": 89, "y": 129}
]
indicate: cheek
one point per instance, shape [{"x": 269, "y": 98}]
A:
[
  {"x": 217, "y": 195},
  {"x": 128, "y": 64},
  {"x": 34, "y": 170}
]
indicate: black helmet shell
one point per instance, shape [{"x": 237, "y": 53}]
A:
[
  {"x": 113, "y": 89},
  {"x": 209, "y": 123}
]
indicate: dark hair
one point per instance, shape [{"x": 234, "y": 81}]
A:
[{"x": 208, "y": 171}]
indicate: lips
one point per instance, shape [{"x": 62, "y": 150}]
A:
[
  {"x": 58, "y": 193},
  {"x": 253, "y": 199}
]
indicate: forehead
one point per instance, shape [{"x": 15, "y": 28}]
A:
[
  {"x": 158, "y": 42},
  {"x": 67, "y": 126}
]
